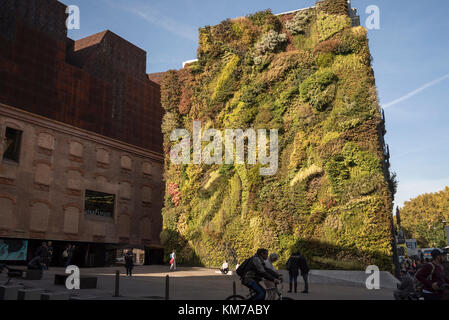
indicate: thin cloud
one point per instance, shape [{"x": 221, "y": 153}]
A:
[
  {"x": 428, "y": 147},
  {"x": 415, "y": 92},
  {"x": 155, "y": 17}
]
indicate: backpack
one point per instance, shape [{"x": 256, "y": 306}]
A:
[
  {"x": 241, "y": 270},
  {"x": 418, "y": 285}
]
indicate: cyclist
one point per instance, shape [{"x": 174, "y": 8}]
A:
[
  {"x": 256, "y": 271},
  {"x": 271, "y": 259}
]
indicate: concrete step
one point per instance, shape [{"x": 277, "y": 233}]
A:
[
  {"x": 30, "y": 294},
  {"x": 78, "y": 298},
  {"x": 55, "y": 296},
  {"x": 34, "y": 275}
]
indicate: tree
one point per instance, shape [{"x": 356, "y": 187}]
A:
[{"x": 423, "y": 216}]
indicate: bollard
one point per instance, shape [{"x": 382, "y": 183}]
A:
[
  {"x": 167, "y": 287},
  {"x": 117, "y": 284},
  {"x": 9, "y": 292},
  {"x": 55, "y": 296},
  {"x": 234, "y": 289}
]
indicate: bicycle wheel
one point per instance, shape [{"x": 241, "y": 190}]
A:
[{"x": 235, "y": 297}]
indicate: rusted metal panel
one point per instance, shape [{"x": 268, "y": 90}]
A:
[{"x": 104, "y": 90}]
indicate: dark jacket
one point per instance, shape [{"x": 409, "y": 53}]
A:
[
  {"x": 42, "y": 252},
  {"x": 303, "y": 266},
  {"x": 293, "y": 265},
  {"x": 407, "y": 284},
  {"x": 296, "y": 263},
  {"x": 256, "y": 271},
  {"x": 129, "y": 260},
  {"x": 427, "y": 277}
]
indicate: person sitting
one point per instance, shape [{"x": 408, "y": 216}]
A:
[
  {"x": 225, "y": 268},
  {"x": 36, "y": 264},
  {"x": 406, "y": 288}
]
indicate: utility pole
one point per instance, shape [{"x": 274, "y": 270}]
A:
[
  {"x": 401, "y": 238},
  {"x": 397, "y": 267}
]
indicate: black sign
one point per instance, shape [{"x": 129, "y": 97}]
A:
[{"x": 99, "y": 204}]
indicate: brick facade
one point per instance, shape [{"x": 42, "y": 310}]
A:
[
  {"x": 44, "y": 192},
  {"x": 90, "y": 119}
]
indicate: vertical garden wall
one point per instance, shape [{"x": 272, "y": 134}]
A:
[{"x": 309, "y": 75}]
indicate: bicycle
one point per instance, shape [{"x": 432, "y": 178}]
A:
[
  {"x": 416, "y": 296},
  {"x": 272, "y": 294}
]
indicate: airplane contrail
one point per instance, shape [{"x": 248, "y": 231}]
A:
[{"x": 415, "y": 92}]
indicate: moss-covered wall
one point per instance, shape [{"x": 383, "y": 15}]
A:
[{"x": 308, "y": 75}]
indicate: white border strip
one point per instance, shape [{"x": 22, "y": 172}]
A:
[
  {"x": 189, "y": 61},
  {"x": 293, "y": 11}
]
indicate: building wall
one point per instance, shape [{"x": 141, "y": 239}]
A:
[
  {"x": 42, "y": 196},
  {"x": 91, "y": 119},
  {"x": 98, "y": 83}
]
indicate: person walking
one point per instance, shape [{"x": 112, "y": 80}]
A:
[
  {"x": 304, "y": 267},
  {"x": 50, "y": 253},
  {"x": 42, "y": 252},
  {"x": 173, "y": 261},
  {"x": 293, "y": 271},
  {"x": 129, "y": 263},
  {"x": 68, "y": 254},
  {"x": 64, "y": 256}
]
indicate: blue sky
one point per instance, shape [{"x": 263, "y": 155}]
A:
[{"x": 410, "y": 62}]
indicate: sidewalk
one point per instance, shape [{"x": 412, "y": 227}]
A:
[{"x": 148, "y": 283}]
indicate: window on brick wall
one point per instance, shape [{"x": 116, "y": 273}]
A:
[
  {"x": 13, "y": 142},
  {"x": 99, "y": 204}
]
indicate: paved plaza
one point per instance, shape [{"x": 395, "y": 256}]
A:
[{"x": 148, "y": 283}]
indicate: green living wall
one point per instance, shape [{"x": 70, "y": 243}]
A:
[{"x": 307, "y": 74}]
